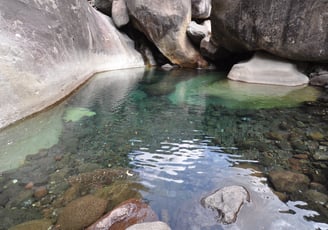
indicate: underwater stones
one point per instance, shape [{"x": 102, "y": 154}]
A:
[
  {"x": 40, "y": 192},
  {"x": 227, "y": 202},
  {"x": 128, "y": 213},
  {"x": 156, "y": 225},
  {"x": 99, "y": 176},
  {"x": 264, "y": 68},
  {"x": 43, "y": 224},
  {"x": 81, "y": 212},
  {"x": 287, "y": 181},
  {"x": 75, "y": 114},
  {"x": 320, "y": 156},
  {"x": 119, "y": 191}
]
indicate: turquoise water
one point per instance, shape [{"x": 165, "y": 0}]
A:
[{"x": 181, "y": 134}]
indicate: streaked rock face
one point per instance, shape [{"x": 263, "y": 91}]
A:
[
  {"x": 292, "y": 29},
  {"x": 50, "y": 48},
  {"x": 165, "y": 24}
]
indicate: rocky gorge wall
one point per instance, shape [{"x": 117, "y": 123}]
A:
[{"x": 48, "y": 48}]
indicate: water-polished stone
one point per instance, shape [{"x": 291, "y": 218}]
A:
[{"x": 227, "y": 202}]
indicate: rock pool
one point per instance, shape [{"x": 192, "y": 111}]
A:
[{"x": 170, "y": 139}]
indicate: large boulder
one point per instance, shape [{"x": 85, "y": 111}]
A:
[
  {"x": 264, "y": 68},
  {"x": 165, "y": 24},
  {"x": 292, "y": 29},
  {"x": 49, "y": 48}
]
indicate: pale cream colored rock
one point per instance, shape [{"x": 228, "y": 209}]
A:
[{"x": 264, "y": 68}]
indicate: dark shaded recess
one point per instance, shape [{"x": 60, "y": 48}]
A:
[
  {"x": 141, "y": 42},
  {"x": 104, "y": 7},
  {"x": 226, "y": 59}
]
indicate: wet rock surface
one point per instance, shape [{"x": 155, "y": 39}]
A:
[
  {"x": 227, "y": 202},
  {"x": 81, "y": 212},
  {"x": 128, "y": 213},
  {"x": 286, "y": 181},
  {"x": 157, "y": 225}
]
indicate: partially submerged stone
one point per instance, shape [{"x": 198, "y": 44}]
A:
[
  {"x": 287, "y": 181},
  {"x": 157, "y": 225},
  {"x": 81, "y": 212},
  {"x": 266, "y": 69},
  {"x": 128, "y": 213},
  {"x": 43, "y": 224},
  {"x": 227, "y": 202}
]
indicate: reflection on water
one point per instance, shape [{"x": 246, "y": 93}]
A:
[{"x": 177, "y": 133}]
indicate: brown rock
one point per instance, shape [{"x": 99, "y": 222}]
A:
[
  {"x": 29, "y": 185},
  {"x": 119, "y": 192},
  {"x": 81, "y": 212},
  {"x": 40, "y": 192},
  {"x": 33, "y": 225},
  {"x": 128, "y": 213},
  {"x": 287, "y": 181}
]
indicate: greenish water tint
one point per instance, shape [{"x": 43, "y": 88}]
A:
[
  {"x": 238, "y": 95},
  {"x": 181, "y": 134}
]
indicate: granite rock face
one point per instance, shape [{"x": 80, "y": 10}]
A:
[
  {"x": 201, "y": 9},
  {"x": 49, "y": 48},
  {"x": 165, "y": 24},
  {"x": 292, "y": 29}
]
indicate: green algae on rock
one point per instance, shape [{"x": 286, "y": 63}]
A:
[{"x": 76, "y": 113}]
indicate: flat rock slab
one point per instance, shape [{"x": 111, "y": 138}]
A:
[
  {"x": 227, "y": 202},
  {"x": 264, "y": 68}
]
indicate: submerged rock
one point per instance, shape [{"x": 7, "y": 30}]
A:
[
  {"x": 124, "y": 215},
  {"x": 81, "y": 212},
  {"x": 286, "y": 181},
  {"x": 227, "y": 202},
  {"x": 266, "y": 69},
  {"x": 32, "y": 225},
  {"x": 157, "y": 225}
]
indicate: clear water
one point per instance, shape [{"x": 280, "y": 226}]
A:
[{"x": 180, "y": 133}]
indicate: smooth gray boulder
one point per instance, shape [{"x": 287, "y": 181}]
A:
[
  {"x": 165, "y": 24},
  {"x": 196, "y": 32},
  {"x": 49, "y": 48},
  {"x": 120, "y": 14},
  {"x": 157, "y": 225},
  {"x": 227, "y": 202},
  {"x": 201, "y": 9},
  {"x": 264, "y": 68},
  {"x": 296, "y": 30}
]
